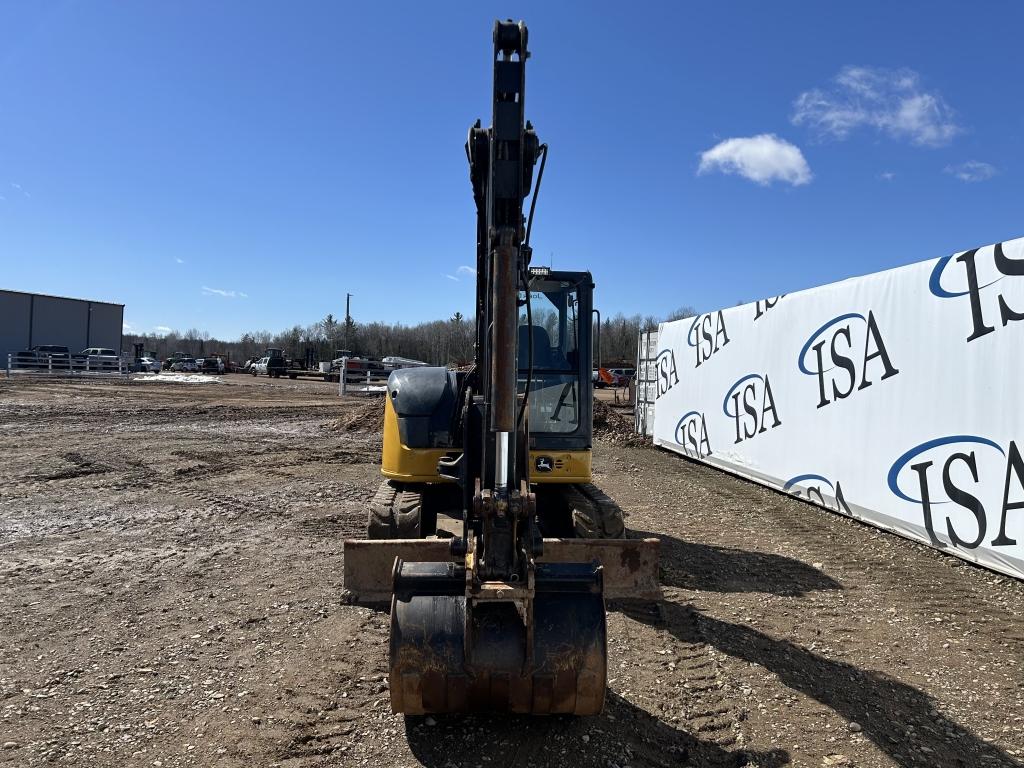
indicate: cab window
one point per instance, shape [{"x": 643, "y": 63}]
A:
[{"x": 554, "y": 388}]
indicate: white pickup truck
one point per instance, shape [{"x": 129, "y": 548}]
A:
[{"x": 99, "y": 359}]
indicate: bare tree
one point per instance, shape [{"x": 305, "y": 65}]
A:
[
  {"x": 438, "y": 342},
  {"x": 681, "y": 313}
]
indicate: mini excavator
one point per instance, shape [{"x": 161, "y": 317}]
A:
[{"x": 495, "y": 550}]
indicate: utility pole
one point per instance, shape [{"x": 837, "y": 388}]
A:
[{"x": 348, "y": 319}]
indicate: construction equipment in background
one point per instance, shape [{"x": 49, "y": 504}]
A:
[
  {"x": 224, "y": 363},
  {"x": 603, "y": 378},
  {"x": 213, "y": 364},
  {"x": 276, "y": 364},
  {"x": 143, "y": 361},
  {"x": 392, "y": 362},
  {"x": 493, "y": 546},
  {"x": 355, "y": 365}
]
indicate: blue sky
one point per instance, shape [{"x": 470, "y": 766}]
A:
[{"x": 241, "y": 166}]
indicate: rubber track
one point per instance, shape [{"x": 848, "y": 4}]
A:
[
  {"x": 381, "y": 523},
  {"x": 395, "y": 512},
  {"x": 594, "y": 514},
  {"x": 408, "y": 508}
]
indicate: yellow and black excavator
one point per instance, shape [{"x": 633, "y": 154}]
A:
[{"x": 487, "y": 536}]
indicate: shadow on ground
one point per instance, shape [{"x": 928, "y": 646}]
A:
[
  {"x": 621, "y": 735},
  {"x": 898, "y": 718},
  {"x": 693, "y": 565}
]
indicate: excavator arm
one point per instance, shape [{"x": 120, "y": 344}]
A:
[{"x": 501, "y": 161}]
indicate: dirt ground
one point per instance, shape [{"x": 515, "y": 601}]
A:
[{"x": 171, "y": 593}]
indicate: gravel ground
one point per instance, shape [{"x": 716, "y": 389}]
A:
[{"x": 170, "y": 573}]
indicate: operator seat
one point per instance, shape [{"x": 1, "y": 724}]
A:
[{"x": 543, "y": 355}]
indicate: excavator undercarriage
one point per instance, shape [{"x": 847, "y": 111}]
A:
[{"x": 413, "y": 511}]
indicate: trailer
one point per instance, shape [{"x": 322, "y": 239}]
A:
[{"x": 358, "y": 370}]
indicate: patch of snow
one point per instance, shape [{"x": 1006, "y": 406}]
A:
[{"x": 178, "y": 378}]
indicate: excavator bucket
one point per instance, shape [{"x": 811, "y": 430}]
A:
[{"x": 452, "y": 654}]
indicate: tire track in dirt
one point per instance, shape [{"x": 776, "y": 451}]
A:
[
  {"x": 925, "y": 618},
  {"x": 703, "y": 708},
  {"x": 819, "y": 534}
]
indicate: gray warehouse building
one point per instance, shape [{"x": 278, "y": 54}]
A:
[{"x": 31, "y": 319}]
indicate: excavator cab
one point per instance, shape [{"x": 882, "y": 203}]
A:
[
  {"x": 558, "y": 337},
  {"x": 488, "y": 539}
]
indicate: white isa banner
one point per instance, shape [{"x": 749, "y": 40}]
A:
[{"x": 895, "y": 398}]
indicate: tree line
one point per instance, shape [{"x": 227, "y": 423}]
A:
[{"x": 438, "y": 342}]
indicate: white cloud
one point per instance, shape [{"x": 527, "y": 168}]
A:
[
  {"x": 889, "y": 100},
  {"x": 226, "y": 294},
  {"x": 180, "y": 261},
  {"x": 887, "y": 175},
  {"x": 161, "y": 329},
  {"x": 972, "y": 170},
  {"x": 126, "y": 327},
  {"x": 462, "y": 270},
  {"x": 762, "y": 159}
]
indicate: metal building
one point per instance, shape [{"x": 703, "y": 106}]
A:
[{"x": 30, "y": 319}]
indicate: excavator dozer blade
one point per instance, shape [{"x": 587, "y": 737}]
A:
[
  {"x": 452, "y": 654},
  {"x": 630, "y": 565}
]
